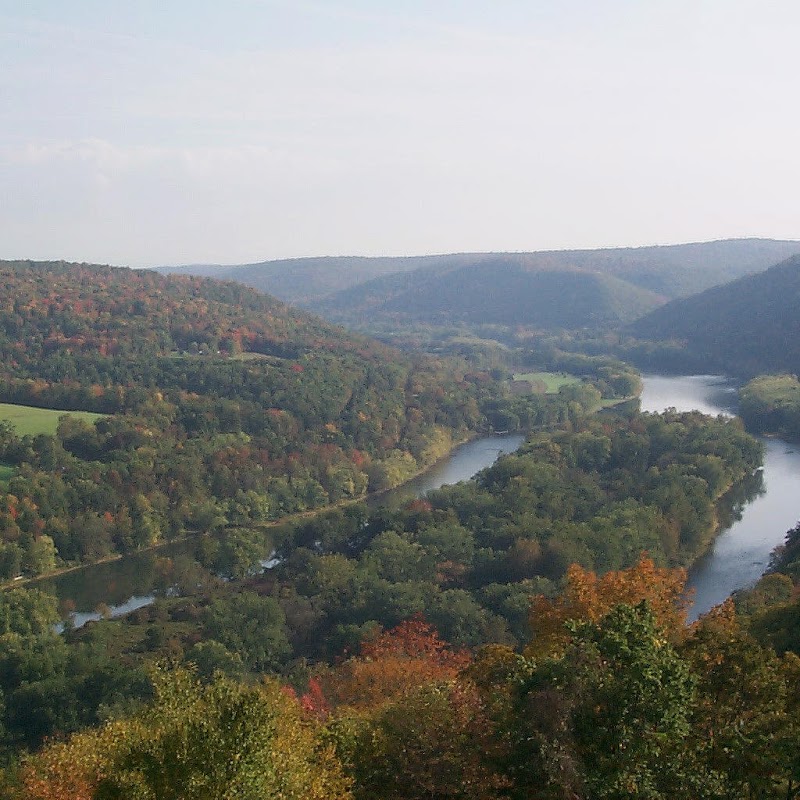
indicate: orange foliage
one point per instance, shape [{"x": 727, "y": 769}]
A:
[
  {"x": 718, "y": 624},
  {"x": 720, "y": 618},
  {"x": 392, "y": 664},
  {"x": 589, "y": 597}
]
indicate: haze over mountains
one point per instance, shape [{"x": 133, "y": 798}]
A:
[
  {"x": 746, "y": 327},
  {"x": 549, "y": 289}
]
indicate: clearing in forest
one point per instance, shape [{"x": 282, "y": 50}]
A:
[
  {"x": 30, "y": 420},
  {"x": 553, "y": 381}
]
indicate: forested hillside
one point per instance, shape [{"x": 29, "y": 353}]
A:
[
  {"x": 470, "y": 558},
  {"x": 746, "y": 327},
  {"x": 221, "y": 407},
  {"x": 305, "y": 281},
  {"x": 494, "y": 292},
  {"x": 623, "y": 701},
  {"x": 669, "y": 271},
  {"x": 588, "y": 686}
]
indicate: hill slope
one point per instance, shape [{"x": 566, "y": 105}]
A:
[
  {"x": 304, "y": 281},
  {"x": 494, "y": 292},
  {"x": 227, "y": 409},
  {"x": 671, "y": 271},
  {"x": 746, "y": 327}
]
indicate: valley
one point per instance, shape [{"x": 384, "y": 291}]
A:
[
  {"x": 399, "y": 401},
  {"x": 248, "y": 491}
]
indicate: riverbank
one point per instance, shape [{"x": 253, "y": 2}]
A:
[
  {"x": 117, "y": 579},
  {"x": 740, "y": 552},
  {"x": 289, "y": 519}
]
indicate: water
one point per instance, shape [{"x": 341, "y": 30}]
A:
[
  {"x": 460, "y": 465},
  {"x": 710, "y": 394},
  {"x": 759, "y": 517},
  {"x": 741, "y": 552},
  {"x": 118, "y": 587},
  {"x": 122, "y": 586}
]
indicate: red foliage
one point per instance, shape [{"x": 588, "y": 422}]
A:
[
  {"x": 393, "y": 663},
  {"x": 313, "y": 701}
]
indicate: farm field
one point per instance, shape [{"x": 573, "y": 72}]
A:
[
  {"x": 30, "y": 421},
  {"x": 552, "y": 380}
]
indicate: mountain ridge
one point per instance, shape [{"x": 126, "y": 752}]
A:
[
  {"x": 745, "y": 327},
  {"x": 306, "y": 280}
]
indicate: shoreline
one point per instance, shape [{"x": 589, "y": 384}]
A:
[{"x": 298, "y": 516}]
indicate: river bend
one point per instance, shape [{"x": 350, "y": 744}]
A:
[{"x": 758, "y": 520}]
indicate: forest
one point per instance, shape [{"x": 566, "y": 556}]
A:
[
  {"x": 771, "y": 404},
  {"x": 221, "y": 407},
  {"x": 743, "y": 328},
  {"x": 613, "y": 697},
  {"x": 414, "y": 599},
  {"x": 519, "y": 635}
]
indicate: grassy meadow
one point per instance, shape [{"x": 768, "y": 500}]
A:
[
  {"x": 30, "y": 421},
  {"x": 552, "y": 380}
]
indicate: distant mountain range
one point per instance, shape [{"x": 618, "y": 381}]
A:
[
  {"x": 746, "y": 327},
  {"x": 548, "y": 289},
  {"x": 495, "y": 292}
]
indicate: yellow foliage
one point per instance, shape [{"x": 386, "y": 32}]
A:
[
  {"x": 195, "y": 742},
  {"x": 588, "y": 596}
]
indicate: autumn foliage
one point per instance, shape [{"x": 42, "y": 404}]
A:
[
  {"x": 195, "y": 742},
  {"x": 390, "y": 665},
  {"x": 590, "y": 597}
]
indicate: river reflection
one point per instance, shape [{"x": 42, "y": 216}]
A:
[
  {"x": 463, "y": 463},
  {"x": 119, "y": 587},
  {"x": 757, "y": 514},
  {"x": 732, "y": 506}
]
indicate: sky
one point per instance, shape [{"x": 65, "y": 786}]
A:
[{"x": 148, "y": 132}]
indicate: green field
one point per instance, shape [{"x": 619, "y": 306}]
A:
[
  {"x": 28, "y": 420},
  {"x": 552, "y": 380},
  {"x": 6, "y": 472}
]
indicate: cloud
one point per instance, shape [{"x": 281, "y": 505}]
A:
[{"x": 153, "y": 135}]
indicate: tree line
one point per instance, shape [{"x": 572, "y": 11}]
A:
[{"x": 612, "y": 697}]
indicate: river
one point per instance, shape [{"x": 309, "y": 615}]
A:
[
  {"x": 459, "y": 465},
  {"x": 129, "y": 583},
  {"x": 759, "y": 520},
  {"x": 756, "y": 520}
]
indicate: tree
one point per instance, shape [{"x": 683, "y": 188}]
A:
[
  {"x": 27, "y": 612},
  {"x": 391, "y": 664},
  {"x": 744, "y": 717},
  {"x": 634, "y": 695},
  {"x": 589, "y": 597},
  {"x": 434, "y": 742},
  {"x": 40, "y": 557},
  {"x": 216, "y": 741},
  {"x": 606, "y": 718},
  {"x": 252, "y": 626}
]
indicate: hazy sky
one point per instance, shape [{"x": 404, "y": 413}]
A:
[{"x": 147, "y": 132}]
